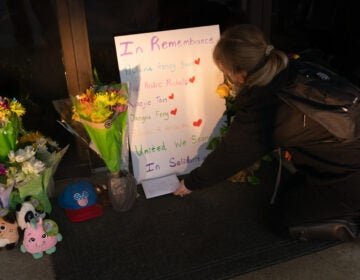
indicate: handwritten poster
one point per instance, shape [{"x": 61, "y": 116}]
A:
[{"x": 173, "y": 107}]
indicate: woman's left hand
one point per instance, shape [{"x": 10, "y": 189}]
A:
[{"x": 182, "y": 190}]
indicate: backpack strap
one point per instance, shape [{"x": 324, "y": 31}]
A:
[{"x": 278, "y": 177}]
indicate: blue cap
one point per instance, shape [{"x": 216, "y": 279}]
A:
[{"x": 79, "y": 201}]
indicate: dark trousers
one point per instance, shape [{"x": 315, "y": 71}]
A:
[{"x": 299, "y": 202}]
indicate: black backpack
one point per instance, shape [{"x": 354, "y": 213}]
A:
[{"x": 326, "y": 97}]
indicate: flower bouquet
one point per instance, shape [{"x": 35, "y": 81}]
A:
[
  {"x": 29, "y": 169},
  {"x": 11, "y": 112},
  {"x": 102, "y": 109},
  {"x": 103, "y": 112}
]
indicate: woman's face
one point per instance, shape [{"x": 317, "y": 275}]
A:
[{"x": 236, "y": 78}]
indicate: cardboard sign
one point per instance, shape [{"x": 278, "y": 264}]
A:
[{"x": 173, "y": 107}]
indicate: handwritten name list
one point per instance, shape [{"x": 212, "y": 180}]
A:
[{"x": 173, "y": 107}]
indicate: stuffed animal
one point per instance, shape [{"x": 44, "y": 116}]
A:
[
  {"x": 40, "y": 236},
  {"x": 9, "y": 230},
  {"x": 31, "y": 208}
]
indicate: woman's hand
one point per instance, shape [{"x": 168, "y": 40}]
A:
[{"x": 182, "y": 190}]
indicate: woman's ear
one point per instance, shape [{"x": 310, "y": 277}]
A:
[{"x": 240, "y": 76}]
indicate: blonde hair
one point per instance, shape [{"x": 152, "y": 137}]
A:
[{"x": 245, "y": 47}]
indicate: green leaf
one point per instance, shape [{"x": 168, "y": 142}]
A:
[
  {"x": 96, "y": 77},
  {"x": 3, "y": 179},
  {"x": 267, "y": 157},
  {"x": 223, "y": 130},
  {"x": 253, "y": 180},
  {"x": 256, "y": 165},
  {"x": 213, "y": 143}
]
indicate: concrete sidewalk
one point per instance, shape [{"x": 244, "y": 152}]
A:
[{"x": 338, "y": 262}]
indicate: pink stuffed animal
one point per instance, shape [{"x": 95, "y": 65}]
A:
[{"x": 40, "y": 236}]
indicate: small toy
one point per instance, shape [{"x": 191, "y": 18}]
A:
[
  {"x": 103, "y": 194},
  {"x": 40, "y": 236},
  {"x": 31, "y": 208},
  {"x": 9, "y": 230}
]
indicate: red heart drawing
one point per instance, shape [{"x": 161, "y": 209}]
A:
[
  {"x": 173, "y": 112},
  {"x": 171, "y": 96},
  {"x": 192, "y": 79},
  {"x": 197, "y": 123},
  {"x": 197, "y": 61}
]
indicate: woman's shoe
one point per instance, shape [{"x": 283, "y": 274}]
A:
[{"x": 336, "y": 229}]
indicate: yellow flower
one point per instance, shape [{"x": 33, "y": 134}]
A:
[
  {"x": 17, "y": 108},
  {"x": 121, "y": 100},
  {"x": 223, "y": 90},
  {"x": 98, "y": 104},
  {"x": 31, "y": 137}
]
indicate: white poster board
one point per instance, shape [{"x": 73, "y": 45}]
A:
[{"x": 173, "y": 107}]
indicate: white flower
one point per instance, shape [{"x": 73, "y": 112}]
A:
[
  {"x": 41, "y": 141},
  {"x": 19, "y": 177},
  {"x": 33, "y": 166},
  {"x": 11, "y": 156},
  {"x": 22, "y": 155},
  {"x": 53, "y": 143}
]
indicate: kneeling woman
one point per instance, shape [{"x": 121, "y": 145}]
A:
[{"x": 323, "y": 198}]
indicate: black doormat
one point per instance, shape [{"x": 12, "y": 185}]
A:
[{"x": 217, "y": 233}]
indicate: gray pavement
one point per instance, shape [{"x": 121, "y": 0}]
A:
[{"x": 335, "y": 263}]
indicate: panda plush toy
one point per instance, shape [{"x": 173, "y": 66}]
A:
[{"x": 30, "y": 209}]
